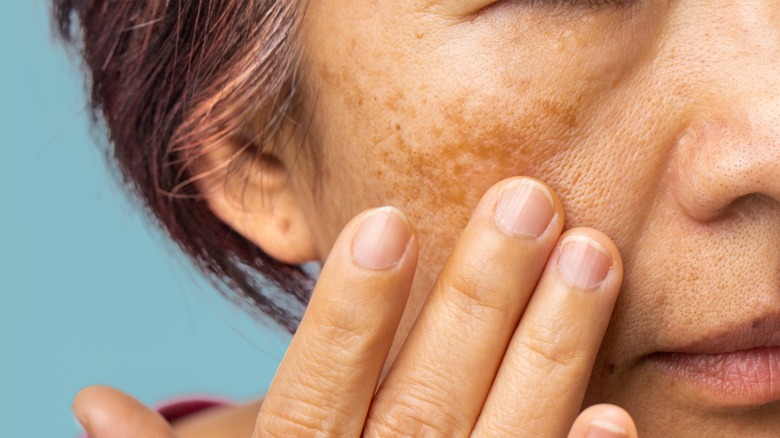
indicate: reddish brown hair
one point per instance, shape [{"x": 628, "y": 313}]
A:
[{"x": 167, "y": 77}]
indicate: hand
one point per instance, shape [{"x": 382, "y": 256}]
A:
[{"x": 503, "y": 346}]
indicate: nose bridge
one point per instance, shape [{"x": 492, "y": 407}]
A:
[{"x": 728, "y": 56}]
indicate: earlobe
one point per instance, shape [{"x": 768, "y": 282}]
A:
[
  {"x": 284, "y": 233},
  {"x": 259, "y": 202}
]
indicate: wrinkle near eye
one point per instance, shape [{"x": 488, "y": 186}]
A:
[
  {"x": 455, "y": 9},
  {"x": 577, "y": 3}
]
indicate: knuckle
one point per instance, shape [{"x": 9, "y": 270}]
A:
[
  {"x": 500, "y": 427},
  {"x": 551, "y": 347},
  {"x": 346, "y": 339},
  {"x": 339, "y": 320},
  {"x": 417, "y": 413},
  {"x": 286, "y": 417},
  {"x": 472, "y": 296}
]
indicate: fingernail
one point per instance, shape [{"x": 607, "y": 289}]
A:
[
  {"x": 605, "y": 429},
  {"x": 525, "y": 208},
  {"x": 381, "y": 239},
  {"x": 583, "y": 262}
]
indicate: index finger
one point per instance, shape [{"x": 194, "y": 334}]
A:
[{"x": 327, "y": 378}]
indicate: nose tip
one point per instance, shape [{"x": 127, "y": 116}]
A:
[{"x": 720, "y": 161}]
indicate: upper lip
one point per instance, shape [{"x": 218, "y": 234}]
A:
[{"x": 760, "y": 332}]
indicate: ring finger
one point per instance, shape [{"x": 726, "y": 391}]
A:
[{"x": 539, "y": 388}]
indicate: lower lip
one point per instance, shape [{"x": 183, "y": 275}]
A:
[{"x": 740, "y": 378}]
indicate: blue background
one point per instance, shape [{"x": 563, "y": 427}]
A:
[{"x": 91, "y": 292}]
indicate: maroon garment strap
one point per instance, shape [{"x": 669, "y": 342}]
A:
[{"x": 183, "y": 408}]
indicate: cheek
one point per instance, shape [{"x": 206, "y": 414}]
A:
[{"x": 428, "y": 124}]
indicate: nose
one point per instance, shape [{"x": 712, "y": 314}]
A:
[
  {"x": 730, "y": 149},
  {"x": 721, "y": 160}
]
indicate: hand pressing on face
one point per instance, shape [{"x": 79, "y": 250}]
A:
[{"x": 503, "y": 346}]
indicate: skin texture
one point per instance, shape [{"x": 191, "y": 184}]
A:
[{"x": 655, "y": 122}]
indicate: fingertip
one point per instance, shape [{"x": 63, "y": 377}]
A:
[
  {"x": 603, "y": 240},
  {"x": 493, "y": 196},
  {"x": 610, "y": 272},
  {"x": 382, "y": 239},
  {"x": 604, "y": 421},
  {"x": 104, "y": 411},
  {"x": 83, "y": 402}
]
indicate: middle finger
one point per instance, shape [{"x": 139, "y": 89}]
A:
[{"x": 444, "y": 371}]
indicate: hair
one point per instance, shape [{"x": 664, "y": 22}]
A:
[{"x": 167, "y": 77}]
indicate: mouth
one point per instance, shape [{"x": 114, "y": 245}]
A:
[{"x": 739, "y": 367}]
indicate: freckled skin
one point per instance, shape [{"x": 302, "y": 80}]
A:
[{"x": 636, "y": 116}]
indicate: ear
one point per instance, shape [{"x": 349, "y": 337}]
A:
[{"x": 255, "y": 197}]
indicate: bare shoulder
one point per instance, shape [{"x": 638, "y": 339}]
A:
[{"x": 224, "y": 422}]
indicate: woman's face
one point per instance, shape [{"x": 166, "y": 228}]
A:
[{"x": 657, "y": 122}]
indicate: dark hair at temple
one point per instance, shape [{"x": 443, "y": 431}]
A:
[{"x": 167, "y": 77}]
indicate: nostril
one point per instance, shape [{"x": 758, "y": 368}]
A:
[{"x": 753, "y": 206}]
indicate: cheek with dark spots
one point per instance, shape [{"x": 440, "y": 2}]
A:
[{"x": 445, "y": 167}]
